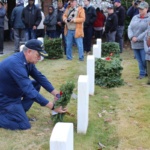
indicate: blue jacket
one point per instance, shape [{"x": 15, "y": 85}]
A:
[
  {"x": 16, "y": 17},
  {"x": 2, "y": 15},
  {"x": 132, "y": 11},
  {"x": 15, "y": 81}
]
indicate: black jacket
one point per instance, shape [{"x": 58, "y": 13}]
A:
[
  {"x": 90, "y": 15},
  {"x": 111, "y": 23},
  {"x": 31, "y": 17},
  {"x": 121, "y": 12}
]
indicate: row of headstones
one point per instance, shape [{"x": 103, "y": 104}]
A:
[{"x": 62, "y": 137}]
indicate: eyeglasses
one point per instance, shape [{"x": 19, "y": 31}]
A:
[{"x": 50, "y": 9}]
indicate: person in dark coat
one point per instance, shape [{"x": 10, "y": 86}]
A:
[
  {"x": 60, "y": 24},
  {"x": 90, "y": 13},
  {"x": 50, "y": 22},
  {"x": 111, "y": 24},
  {"x": 17, "y": 25},
  {"x": 18, "y": 92},
  {"x": 2, "y": 16},
  {"x": 31, "y": 17},
  {"x": 120, "y": 11}
]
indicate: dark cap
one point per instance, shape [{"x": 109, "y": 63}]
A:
[
  {"x": 37, "y": 45},
  {"x": 110, "y": 6},
  {"x": 119, "y": 1},
  {"x": 143, "y": 5}
]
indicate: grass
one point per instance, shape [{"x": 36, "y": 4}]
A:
[{"x": 118, "y": 117}]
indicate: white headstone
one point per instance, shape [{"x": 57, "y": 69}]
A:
[
  {"x": 21, "y": 48},
  {"x": 91, "y": 73},
  {"x": 62, "y": 137},
  {"x": 99, "y": 43},
  {"x": 41, "y": 39},
  {"x": 83, "y": 104},
  {"x": 96, "y": 51}
]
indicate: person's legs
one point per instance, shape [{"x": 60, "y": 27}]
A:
[
  {"x": 14, "y": 117},
  {"x": 33, "y": 33},
  {"x": 22, "y": 35},
  {"x": 79, "y": 42},
  {"x": 87, "y": 40},
  {"x": 69, "y": 41},
  {"x": 1, "y": 40},
  {"x": 16, "y": 39},
  {"x": 119, "y": 37},
  {"x": 111, "y": 36},
  {"x": 140, "y": 56},
  {"x": 27, "y": 102}
]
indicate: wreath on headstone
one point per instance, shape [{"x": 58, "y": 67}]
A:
[{"x": 66, "y": 91}]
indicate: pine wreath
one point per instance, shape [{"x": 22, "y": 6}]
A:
[{"x": 65, "y": 93}]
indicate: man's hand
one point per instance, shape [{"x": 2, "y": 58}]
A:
[
  {"x": 34, "y": 27},
  {"x": 59, "y": 23},
  {"x": 60, "y": 110}
]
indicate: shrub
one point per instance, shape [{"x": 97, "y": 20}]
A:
[
  {"x": 65, "y": 96},
  {"x": 53, "y": 47},
  {"x": 108, "y": 72},
  {"x": 110, "y": 47}
]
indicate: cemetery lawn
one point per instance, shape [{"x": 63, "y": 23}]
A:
[{"x": 118, "y": 117}]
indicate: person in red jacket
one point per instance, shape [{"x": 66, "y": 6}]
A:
[{"x": 99, "y": 23}]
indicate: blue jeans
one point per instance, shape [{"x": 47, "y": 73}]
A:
[
  {"x": 119, "y": 37},
  {"x": 140, "y": 56},
  {"x": 30, "y": 34},
  {"x": 69, "y": 42}
]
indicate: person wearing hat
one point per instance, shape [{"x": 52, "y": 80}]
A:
[
  {"x": 136, "y": 32},
  {"x": 2, "y": 16},
  {"x": 74, "y": 17},
  {"x": 111, "y": 24},
  {"x": 17, "y": 25},
  {"x": 120, "y": 11},
  {"x": 18, "y": 92},
  {"x": 31, "y": 17}
]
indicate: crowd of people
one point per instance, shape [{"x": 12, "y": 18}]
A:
[{"x": 77, "y": 25}]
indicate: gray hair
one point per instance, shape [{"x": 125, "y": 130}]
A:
[{"x": 25, "y": 49}]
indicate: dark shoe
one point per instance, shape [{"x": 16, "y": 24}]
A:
[
  {"x": 140, "y": 77},
  {"x": 81, "y": 59},
  {"x": 1, "y": 53}
]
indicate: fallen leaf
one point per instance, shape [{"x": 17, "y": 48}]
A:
[
  {"x": 99, "y": 115},
  {"x": 40, "y": 134},
  {"x": 108, "y": 120}
]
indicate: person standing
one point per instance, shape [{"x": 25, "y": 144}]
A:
[
  {"x": 147, "y": 54},
  {"x": 136, "y": 32},
  {"x": 74, "y": 17},
  {"x": 31, "y": 17},
  {"x": 60, "y": 24},
  {"x": 18, "y": 26},
  {"x": 111, "y": 24},
  {"x": 50, "y": 22},
  {"x": 90, "y": 17},
  {"x": 120, "y": 11},
  {"x": 40, "y": 27},
  {"x": 99, "y": 23},
  {"x": 2, "y": 16}
]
